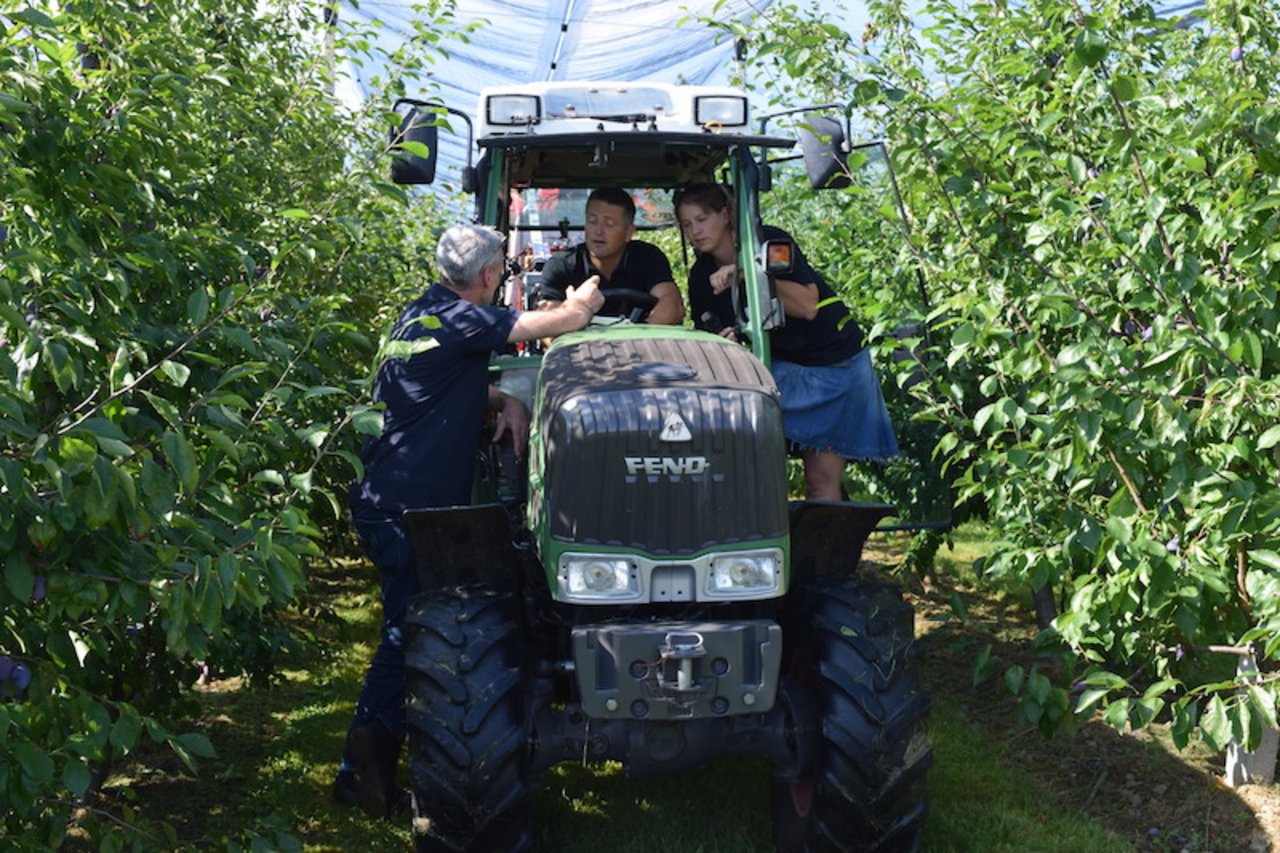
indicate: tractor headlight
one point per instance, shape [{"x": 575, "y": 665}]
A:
[
  {"x": 751, "y": 573},
  {"x": 722, "y": 110},
  {"x": 513, "y": 110},
  {"x": 596, "y": 577}
]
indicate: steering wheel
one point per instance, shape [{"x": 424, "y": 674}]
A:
[{"x": 636, "y": 303}]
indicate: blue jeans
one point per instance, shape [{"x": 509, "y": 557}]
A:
[{"x": 386, "y": 542}]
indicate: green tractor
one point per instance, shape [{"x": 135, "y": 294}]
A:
[{"x": 642, "y": 590}]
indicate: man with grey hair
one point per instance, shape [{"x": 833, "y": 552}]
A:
[{"x": 435, "y": 402}]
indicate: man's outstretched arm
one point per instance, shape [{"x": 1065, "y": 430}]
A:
[{"x": 579, "y": 306}]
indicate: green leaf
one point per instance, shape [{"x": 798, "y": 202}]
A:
[
  {"x": 228, "y": 570},
  {"x": 14, "y": 105},
  {"x": 417, "y": 149},
  {"x": 1156, "y": 205},
  {"x": 1185, "y": 717},
  {"x": 1191, "y": 160},
  {"x": 182, "y": 459},
  {"x": 302, "y": 481},
  {"x": 1215, "y": 725},
  {"x": 1270, "y": 438},
  {"x": 368, "y": 422},
  {"x": 198, "y": 744},
  {"x": 18, "y": 577},
  {"x": 1091, "y": 48},
  {"x": 1106, "y": 680},
  {"x": 866, "y": 91},
  {"x": 99, "y": 495},
  {"x": 61, "y": 366},
  {"x": 1269, "y": 162},
  {"x": 1268, "y": 558},
  {"x": 163, "y": 407},
  {"x": 1119, "y": 529},
  {"x": 1263, "y": 704},
  {"x": 294, "y": 213},
  {"x": 1124, "y": 87},
  {"x": 198, "y": 306},
  {"x": 34, "y": 18},
  {"x": 1161, "y": 687},
  {"x": 407, "y": 349},
  {"x": 75, "y": 777},
  {"x": 223, "y": 442},
  {"x": 1038, "y": 233},
  {"x": 113, "y": 447},
  {"x": 1117, "y": 714},
  {"x": 1088, "y": 699},
  {"x": 984, "y": 414},
  {"x": 1038, "y": 687},
  {"x": 984, "y": 666},
  {"x": 75, "y": 451},
  {"x": 352, "y": 226},
  {"x": 958, "y": 607},
  {"x": 1013, "y": 678},
  {"x": 314, "y": 435},
  {"x": 175, "y": 372},
  {"x": 270, "y": 475},
  {"x": 126, "y": 729},
  {"x": 35, "y": 762},
  {"x": 322, "y": 391},
  {"x": 158, "y": 486},
  {"x": 1077, "y": 169},
  {"x": 1143, "y": 711}
]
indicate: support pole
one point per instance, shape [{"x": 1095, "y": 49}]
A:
[{"x": 1259, "y": 766}]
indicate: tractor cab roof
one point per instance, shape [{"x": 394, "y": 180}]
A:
[{"x": 564, "y": 134}]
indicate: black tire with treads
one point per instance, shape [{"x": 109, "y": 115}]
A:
[
  {"x": 464, "y": 702},
  {"x": 850, "y": 651}
]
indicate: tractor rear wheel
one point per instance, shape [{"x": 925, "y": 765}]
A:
[
  {"x": 861, "y": 785},
  {"x": 465, "y": 709}
]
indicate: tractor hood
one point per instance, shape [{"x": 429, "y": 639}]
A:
[{"x": 668, "y": 443}]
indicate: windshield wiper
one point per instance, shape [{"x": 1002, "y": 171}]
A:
[{"x": 614, "y": 118}]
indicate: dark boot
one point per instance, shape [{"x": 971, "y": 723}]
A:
[
  {"x": 344, "y": 788},
  {"x": 375, "y": 752}
]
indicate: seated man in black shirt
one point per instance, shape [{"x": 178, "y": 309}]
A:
[{"x": 621, "y": 263}]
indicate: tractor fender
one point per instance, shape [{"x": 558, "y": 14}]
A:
[
  {"x": 827, "y": 536},
  {"x": 462, "y": 545}
]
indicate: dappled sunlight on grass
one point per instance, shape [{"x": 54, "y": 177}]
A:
[
  {"x": 278, "y": 746},
  {"x": 722, "y": 807},
  {"x": 995, "y": 785},
  {"x": 976, "y": 796},
  {"x": 998, "y": 780}
]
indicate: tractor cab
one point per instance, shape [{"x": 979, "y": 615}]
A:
[{"x": 545, "y": 146}]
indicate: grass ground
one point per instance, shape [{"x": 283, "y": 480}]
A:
[{"x": 995, "y": 785}]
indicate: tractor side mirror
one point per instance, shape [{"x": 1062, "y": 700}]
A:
[
  {"x": 413, "y": 148},
  {"x": 822, "y": 139},
  {"x": 779, "y": 257}
]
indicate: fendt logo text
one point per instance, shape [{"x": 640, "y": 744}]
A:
[{"x": 678, "y": 465}]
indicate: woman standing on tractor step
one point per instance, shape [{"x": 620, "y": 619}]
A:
[{"x": 832, "y": 406}]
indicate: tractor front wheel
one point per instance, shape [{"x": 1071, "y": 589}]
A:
[
  {"x": 464, "y": 702},
  {"x": 861, "y": 784}
]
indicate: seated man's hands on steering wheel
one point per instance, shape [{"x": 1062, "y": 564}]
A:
[{"x": 636, "y": 304}]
